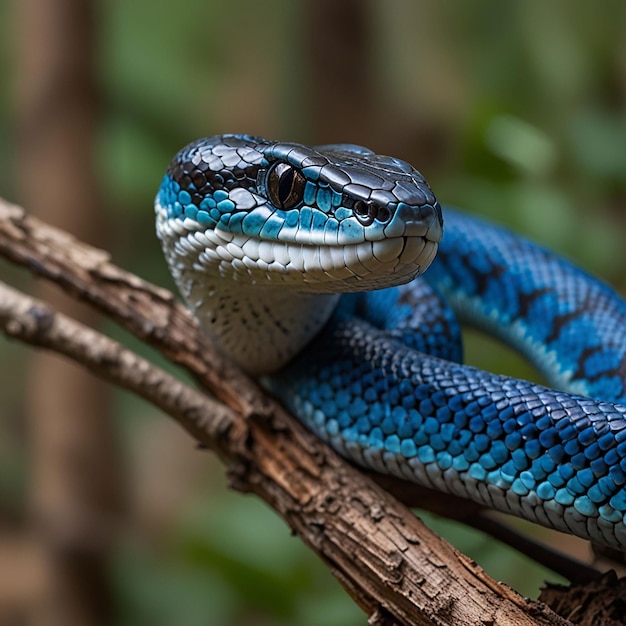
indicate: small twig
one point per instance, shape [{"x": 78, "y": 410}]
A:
[
  {"x": 36, "y": 323},
  {"x": 567, "y": 567}
]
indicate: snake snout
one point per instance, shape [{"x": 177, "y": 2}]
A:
[{"x": 417, "y": 221}]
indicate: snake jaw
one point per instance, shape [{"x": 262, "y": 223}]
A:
[{"x": 301, "y": 267}]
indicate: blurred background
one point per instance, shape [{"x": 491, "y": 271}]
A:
[{"x": 514, "y": 111}]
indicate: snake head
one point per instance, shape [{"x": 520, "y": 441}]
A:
[{"x": 326, "y": 219}]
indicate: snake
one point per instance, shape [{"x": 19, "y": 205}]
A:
[{"x": 307, "y": 267}]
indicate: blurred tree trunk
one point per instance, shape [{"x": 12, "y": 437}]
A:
[
  {"x": 74, "y": 484},
  {"x": 340, "y": 92},
  {"x": 348, "y": 99}
]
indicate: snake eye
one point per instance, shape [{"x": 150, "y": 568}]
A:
[
  {"x": 367, "y": 212},
  {"x": 285, "y": 186}
]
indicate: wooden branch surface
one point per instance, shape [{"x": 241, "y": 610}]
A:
[{"x": 396, "y": 569}]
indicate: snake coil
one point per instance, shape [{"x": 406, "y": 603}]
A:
[{"x": 264, "y": 237}]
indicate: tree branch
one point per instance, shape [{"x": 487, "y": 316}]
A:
[
  {"x": 397, "y": 570},
  {"x": 38, "y": 324}
]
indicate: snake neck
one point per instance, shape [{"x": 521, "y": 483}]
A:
[{"x": 260, "y": 328}]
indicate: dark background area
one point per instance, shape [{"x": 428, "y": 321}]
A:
[{"x": 514, "y": 111}]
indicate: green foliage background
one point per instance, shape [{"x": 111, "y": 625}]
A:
[{"x": 527, "y": 100}]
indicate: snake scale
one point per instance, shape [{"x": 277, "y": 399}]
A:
[{"x": 302, "y": 263}]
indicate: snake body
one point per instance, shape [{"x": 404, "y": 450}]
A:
[{"x": 262, "y": 239}]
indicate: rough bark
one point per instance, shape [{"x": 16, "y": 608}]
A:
[
  {"x": 347, "y": 97},
  {"x": 601, "y": 602},
  {"x": 397, "y": 570}
]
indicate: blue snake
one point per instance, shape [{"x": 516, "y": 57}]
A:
[{"x": 303, "y": 262}]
